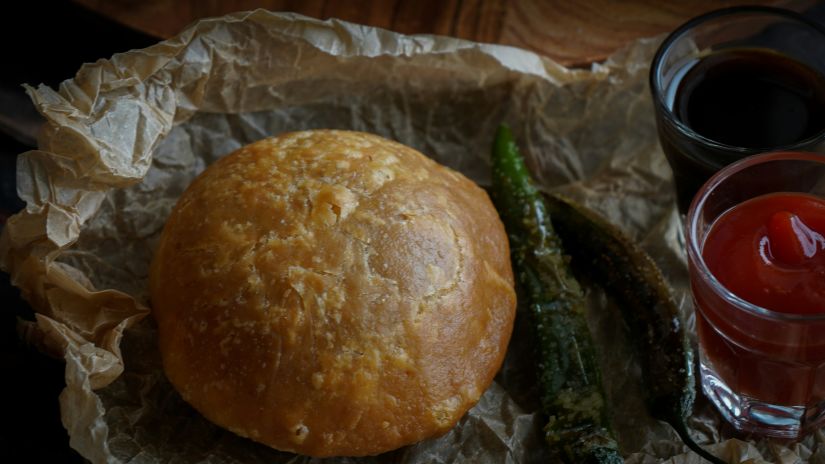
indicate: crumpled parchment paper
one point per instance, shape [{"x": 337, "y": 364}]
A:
[{"x": 126, "y": 136}]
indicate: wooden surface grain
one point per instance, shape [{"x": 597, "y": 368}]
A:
[{"x": 569, "y": 31}]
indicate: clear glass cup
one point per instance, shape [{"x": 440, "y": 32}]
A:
[
  {"x": 694, "y": 157},
  {"x": 764, "y": 370}
]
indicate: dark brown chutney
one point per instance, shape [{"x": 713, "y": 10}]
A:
[{"x": 756, "y": 100}]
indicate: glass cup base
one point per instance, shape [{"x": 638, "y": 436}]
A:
[{"x": 750, "y": 415}]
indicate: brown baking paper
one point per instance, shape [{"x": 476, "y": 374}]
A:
[{"x": 125, "y": 137}]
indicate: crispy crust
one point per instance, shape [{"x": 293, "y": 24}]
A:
[{"x": 332, "y": 293}]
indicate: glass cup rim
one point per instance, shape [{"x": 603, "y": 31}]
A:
[
  {"x": 658, "y": 58},
  {"x": 694, "y": 248}
]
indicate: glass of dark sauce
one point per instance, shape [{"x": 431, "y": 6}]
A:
[{"x": 736, "y": 82}]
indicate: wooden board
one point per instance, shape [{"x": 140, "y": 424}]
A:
[{"x": 571, "y": 32}]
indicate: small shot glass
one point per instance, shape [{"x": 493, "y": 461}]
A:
[
  {"x": 707, "y": 46},
  {"x": 764, "y": 370}
]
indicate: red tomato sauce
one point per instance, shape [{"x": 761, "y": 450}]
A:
[{"x": 769, "y": 251}]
